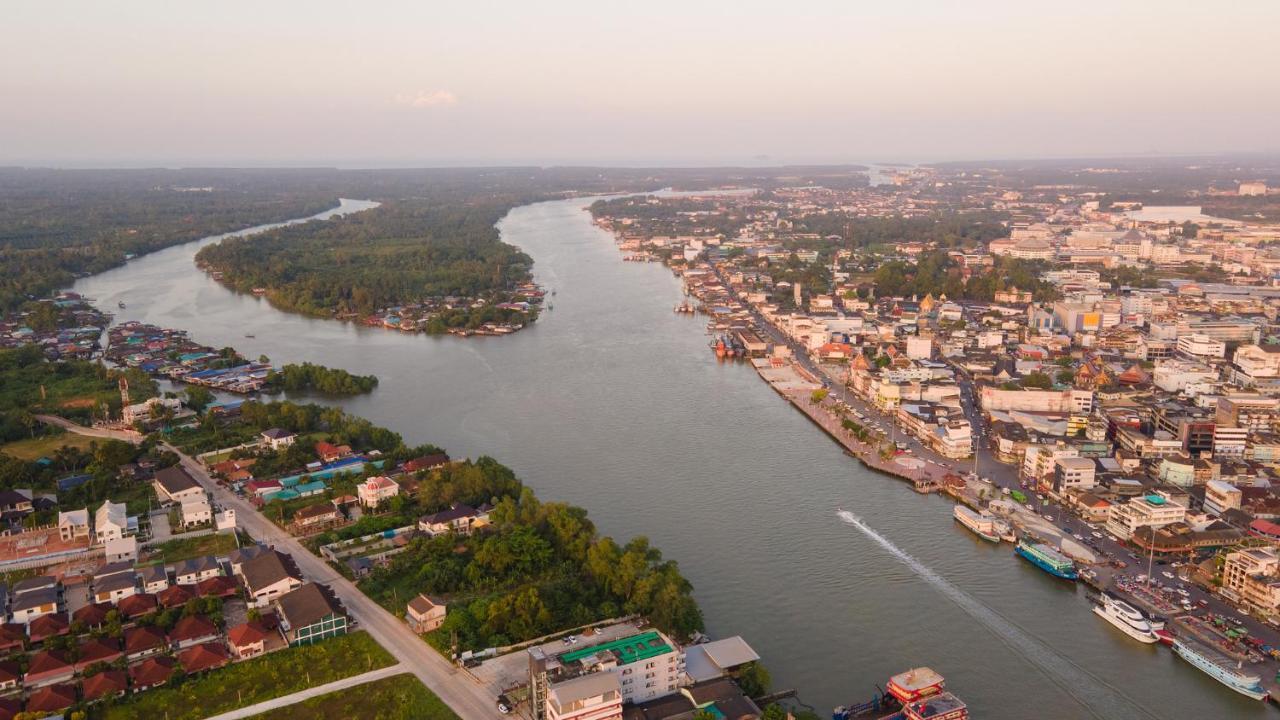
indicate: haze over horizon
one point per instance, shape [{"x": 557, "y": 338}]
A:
[{"x": 410, "y": 84}]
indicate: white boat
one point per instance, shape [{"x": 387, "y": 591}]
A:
[
  {"x": 1126, "y": 617},
  {"x": 981, "y": 524},
  {"x": 1220, "y": 668}
]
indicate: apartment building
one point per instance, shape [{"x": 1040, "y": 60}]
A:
[{"x": 1252, "y": 575}]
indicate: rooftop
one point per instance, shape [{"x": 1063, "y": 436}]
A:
[{"x": 628, "y": 650}]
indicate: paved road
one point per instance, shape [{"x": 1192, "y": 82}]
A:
[
  {"x": 287, "y": 700},
  {"x": 462, "y": 693},
  {"x": 456, "y": 688}
]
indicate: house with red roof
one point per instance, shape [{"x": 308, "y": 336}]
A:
[
  {"x": 206, "y": 656},
  {"x": 192, "y": 630},
  {"x": 98, "y": 650},
  {"x": 248, "y": 639},
  {"x": 10, "y": 707},
  {"x": 12, "y": 636},
  {"x": 52, "y": 699},
  {"x": 92, "y": 616},
  {"x": 136, "y": 606},
  {"x": 152, "y": 672},
  {"x": 174, "y": 596},
  {"x": 48, "y": 667},
  {"x": 48, "y": 626},
  {"x": 220, "y": 586},
  {"x": 10, "y": 675},
  {"x": 144, "y": 640},
  {"x": 106, "y": 684},
  {"x": 328, "y": 452}
]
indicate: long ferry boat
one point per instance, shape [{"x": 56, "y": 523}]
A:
[
  {"x": 979, "y": 523},
  {"x": 1125, "y": 617},
  {"x": 1047, "y": 559},
  {"x": 1220, "y": 668}
]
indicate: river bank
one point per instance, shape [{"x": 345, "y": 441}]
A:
[{"x": 614, "y": 403}]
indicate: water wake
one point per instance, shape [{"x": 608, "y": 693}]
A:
[{"x": 1095, "y": 695}]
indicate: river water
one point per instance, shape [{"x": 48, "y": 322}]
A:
[{"x": 613, "y": 402}]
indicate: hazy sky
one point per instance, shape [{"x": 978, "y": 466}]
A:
[{"x": 438, "y": 83}]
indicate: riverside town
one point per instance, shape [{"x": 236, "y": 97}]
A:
[{"x": 662, "y": 361}]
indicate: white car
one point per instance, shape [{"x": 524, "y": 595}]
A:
[{"x": 1096, "y": 534}]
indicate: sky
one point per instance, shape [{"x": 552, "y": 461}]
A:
[{"x": 438, "y": 82}]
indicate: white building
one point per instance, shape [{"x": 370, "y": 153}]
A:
[
  {"x": 1153, "y": 511},
  {"x": 110, "y": 522},
  {"x": 196, "y": 511},
  {"x": 1220, "y": 497},
  {"x": 1252, "y": 189},
  {"x": 1071, "y": 473},
  {"x": 919, "y": 348},
  {"x": 1201, "y": 346},
  {"x": 377, "y": 490}
]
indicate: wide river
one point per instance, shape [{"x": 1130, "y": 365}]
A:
[{"x": 613, "y": 402}]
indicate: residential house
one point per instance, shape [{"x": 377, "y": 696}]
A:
[
  {"x": 239, "y": 556},
  {"x": 154, "y": 578},
  {"x": 315, "y": 517},
  {"x": 10, "y": 676},
  {"x": 269, "y": 576},
  {"x": 106, "y": 684},
  {"x": 48, "y": 667},
  {"x": 328, "y": 452},
  {"x": 425, "y": 613},
  {"x": 277, "y": 438},
  {"x": 52, "y": 699},
  {"x": 192, "y": 571},
  {"x": 110, "y": 522},
  {"x": 458, "y": 518},
  {"x": 142, "y": 641},
  {"x": 29, "y": 605},
  {"x": 136, "y": 606},
  {"x": 248, "y": 640},
  {"x": 311, "y": 614},
  {"x": 97, "y": 650},
  {"x": 377, "y": 490},
  {"x": 92, "y": 616},
  {"x": 193, "y": 630},
  {"x": 116, "y": 587},
  {"x": 73, "y": 525},
  {"x": 205, "y": 656},
  {"x": 123, "y": 549},
  {"x": 48, "y": 626},
  {"x": 175, "y": 485},
  {"x": 152, "y": 672},
  {"x": 196, "y": 511}
]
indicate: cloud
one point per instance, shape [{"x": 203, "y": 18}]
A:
[{"x": 427, "y": 99}]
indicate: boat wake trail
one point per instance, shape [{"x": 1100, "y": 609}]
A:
[{"x": 1095, "y": 695}]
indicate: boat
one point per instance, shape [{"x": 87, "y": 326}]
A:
[
  {"x": 916, "y": 684},
  {"x": 1220, "y": 667},
  {"x": 1125, "y": 617},
  {"x": 906, "y": 689},
  {"x": 1047, "y": 559},
  {"x": 1165, "y": 637},
  {"x": 979, "y": 523},
  {"x": 120, "y": 304}
]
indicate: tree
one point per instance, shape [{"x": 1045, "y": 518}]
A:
[
  {"x": 1037, "y": 380},
  {"x": 1065, "y": 377},
  {"x": 754, "y": 679},
  {"x": 818, "y": 395},
  {"x": 198, "y": 397}
]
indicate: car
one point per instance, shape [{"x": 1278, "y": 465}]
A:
[
  {"x": 1096, "y": 534},
  {"x": 504, "y": 704}
]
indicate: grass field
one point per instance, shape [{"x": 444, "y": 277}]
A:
[
  {"x": 253, "y": 681},
  {"x": 45, "y": 445},
  {"x": 186, "y": 548},
  {"x": 400, "y": 697}
]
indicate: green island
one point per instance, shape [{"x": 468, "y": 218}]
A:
[
  {"x": 447, "y": 261},
  {"x": 318, "y": 378}
]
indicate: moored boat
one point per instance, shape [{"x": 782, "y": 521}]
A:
[
  {"x": 1047, "y": 559},
  {"x": 979, "y": 523},
  {"x": 1220, "y": 668},
  {"x": 1125, "y": 617}
]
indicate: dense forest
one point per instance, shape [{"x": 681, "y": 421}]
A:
[
  {"x": 541, "y": 568},
  {"x": 946, "y": 230},
  {"x": 57, "y": 225}
]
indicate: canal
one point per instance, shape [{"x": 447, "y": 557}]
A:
[{"x": 837, "y": 576}]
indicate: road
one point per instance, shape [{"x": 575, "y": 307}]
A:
[
  {"x": 287, "y": 700},
  {"x": 457, "y": 689}
]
